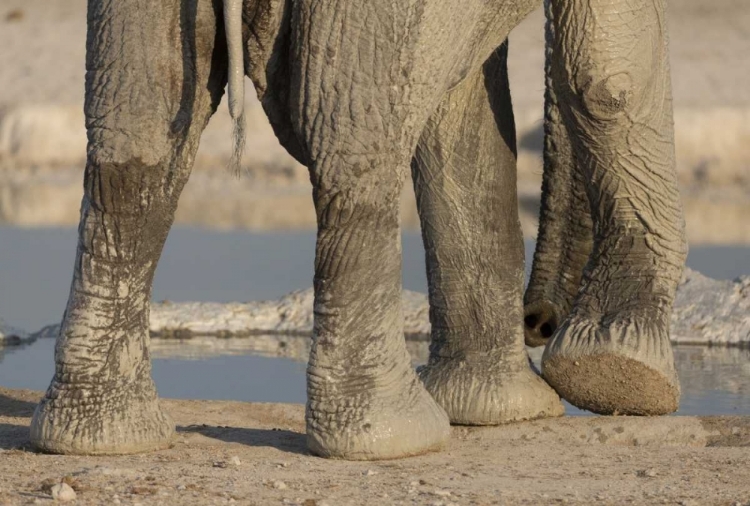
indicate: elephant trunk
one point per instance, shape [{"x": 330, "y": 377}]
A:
[
  {"x": 236, "y": 76},
  {"x": 565, "y": 237}
]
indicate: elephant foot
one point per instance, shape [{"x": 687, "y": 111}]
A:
[
  {"x": 485, "y": 390},
  {"x": 622, "y": 365},
  {"x": 392, "y": 420},
  {"x": 77, "y": 420}
]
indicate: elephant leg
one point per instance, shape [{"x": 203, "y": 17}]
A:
[
  {"x": 364, "y": 398},
  {"x": 151, "y": 87},
  {"x": 464, "y": 176},
  {"x": 565, "y": 231},
  {"x": 358, "y": 131},
  {"x": 612, "y": 354}
]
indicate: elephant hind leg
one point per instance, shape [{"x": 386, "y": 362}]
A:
[
  {"x": 365, "y": 401},
  {"x": 465, "y": 180},
  {"x": 145, "y": 112}
]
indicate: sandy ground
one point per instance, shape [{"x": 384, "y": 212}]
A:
[
  {"x": 42, "y": 142},
  {"x": 241, "y": 453}
]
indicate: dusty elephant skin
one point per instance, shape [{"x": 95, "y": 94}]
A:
[
  {"x": 362, "y": 92},
  {"x": 611, "y": 353}
]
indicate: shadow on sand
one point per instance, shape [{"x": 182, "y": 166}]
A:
[
  {"x": 12, "y": 406},
  {"x": 14, "y": 437},
  {"x": 281, "y": 439}
]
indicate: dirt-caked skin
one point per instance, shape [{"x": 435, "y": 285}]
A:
[{"x": 363, "y": 93}]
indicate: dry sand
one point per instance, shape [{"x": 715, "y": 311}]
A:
[{"x": 241, "y": 453}]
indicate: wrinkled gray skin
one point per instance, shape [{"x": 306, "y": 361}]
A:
[{"x": 362, "y": 92}]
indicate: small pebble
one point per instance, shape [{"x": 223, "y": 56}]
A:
[
  {"x": 235, "y": 461},
  {"x": 279, "y": 485},
  {"x": 370, "y": 472},
  {"x": 441, "y": 493},
  {"x": 63, "y": 493}
]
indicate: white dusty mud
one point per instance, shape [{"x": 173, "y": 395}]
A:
[
  {"x": 11, "y": 335},
  {"x": 255, "y": 454},
  {"x": 706, "y": 311}
]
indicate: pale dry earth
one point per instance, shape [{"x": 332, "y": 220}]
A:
[
  {"x": 254, "y": 454},
  {"x": 42, "y": 140}
]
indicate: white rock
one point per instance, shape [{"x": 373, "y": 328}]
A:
[
  {"x": 706, "y": 311},
  {"x": 63, "y": 492},
  {"x": 279, "y": 485},
  {"x": 10, "y": 334}
]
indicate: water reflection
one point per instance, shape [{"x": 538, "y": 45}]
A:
[{"x": 268, "y": 368}]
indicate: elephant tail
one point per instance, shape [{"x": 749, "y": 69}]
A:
[{"x": 236, "y": 78}]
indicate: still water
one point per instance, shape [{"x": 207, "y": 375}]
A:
[
  {"x": 36, "y": 265},
  {"x": 715, "y": 381}
]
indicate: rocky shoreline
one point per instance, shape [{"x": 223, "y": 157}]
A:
[{"x": 706, "y": 312}]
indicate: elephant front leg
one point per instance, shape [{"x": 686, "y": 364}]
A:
[
  {"x": 465, "y": 181},
  {"x": 145, "y": 110},
  {"x": 612, "y": 354}
]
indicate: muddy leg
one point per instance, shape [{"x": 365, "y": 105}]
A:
[
  {"x": 145, "y": 110},
  {"x": 465, "y": 180},
  {"x": 612, "y": 354},
  {"x": 365, "y": 400}
]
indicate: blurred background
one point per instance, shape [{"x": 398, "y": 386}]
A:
[{"x": 42, "y": 138}]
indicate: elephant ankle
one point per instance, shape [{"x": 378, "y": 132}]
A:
[
  {"x": 100, "y": 419},
  {"x": 375, "y": 420},
  {"x": 488, "y": 389}
]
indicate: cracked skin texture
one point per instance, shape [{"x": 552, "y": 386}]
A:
[{"x": 364, "y": 93}]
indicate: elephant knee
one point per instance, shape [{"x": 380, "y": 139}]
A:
[
  {"x": 363, "y": 207},
  {"x": 608, "y": 97}
]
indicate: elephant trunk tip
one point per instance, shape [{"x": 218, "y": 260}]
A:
[{"x": 541, "y": 320}]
